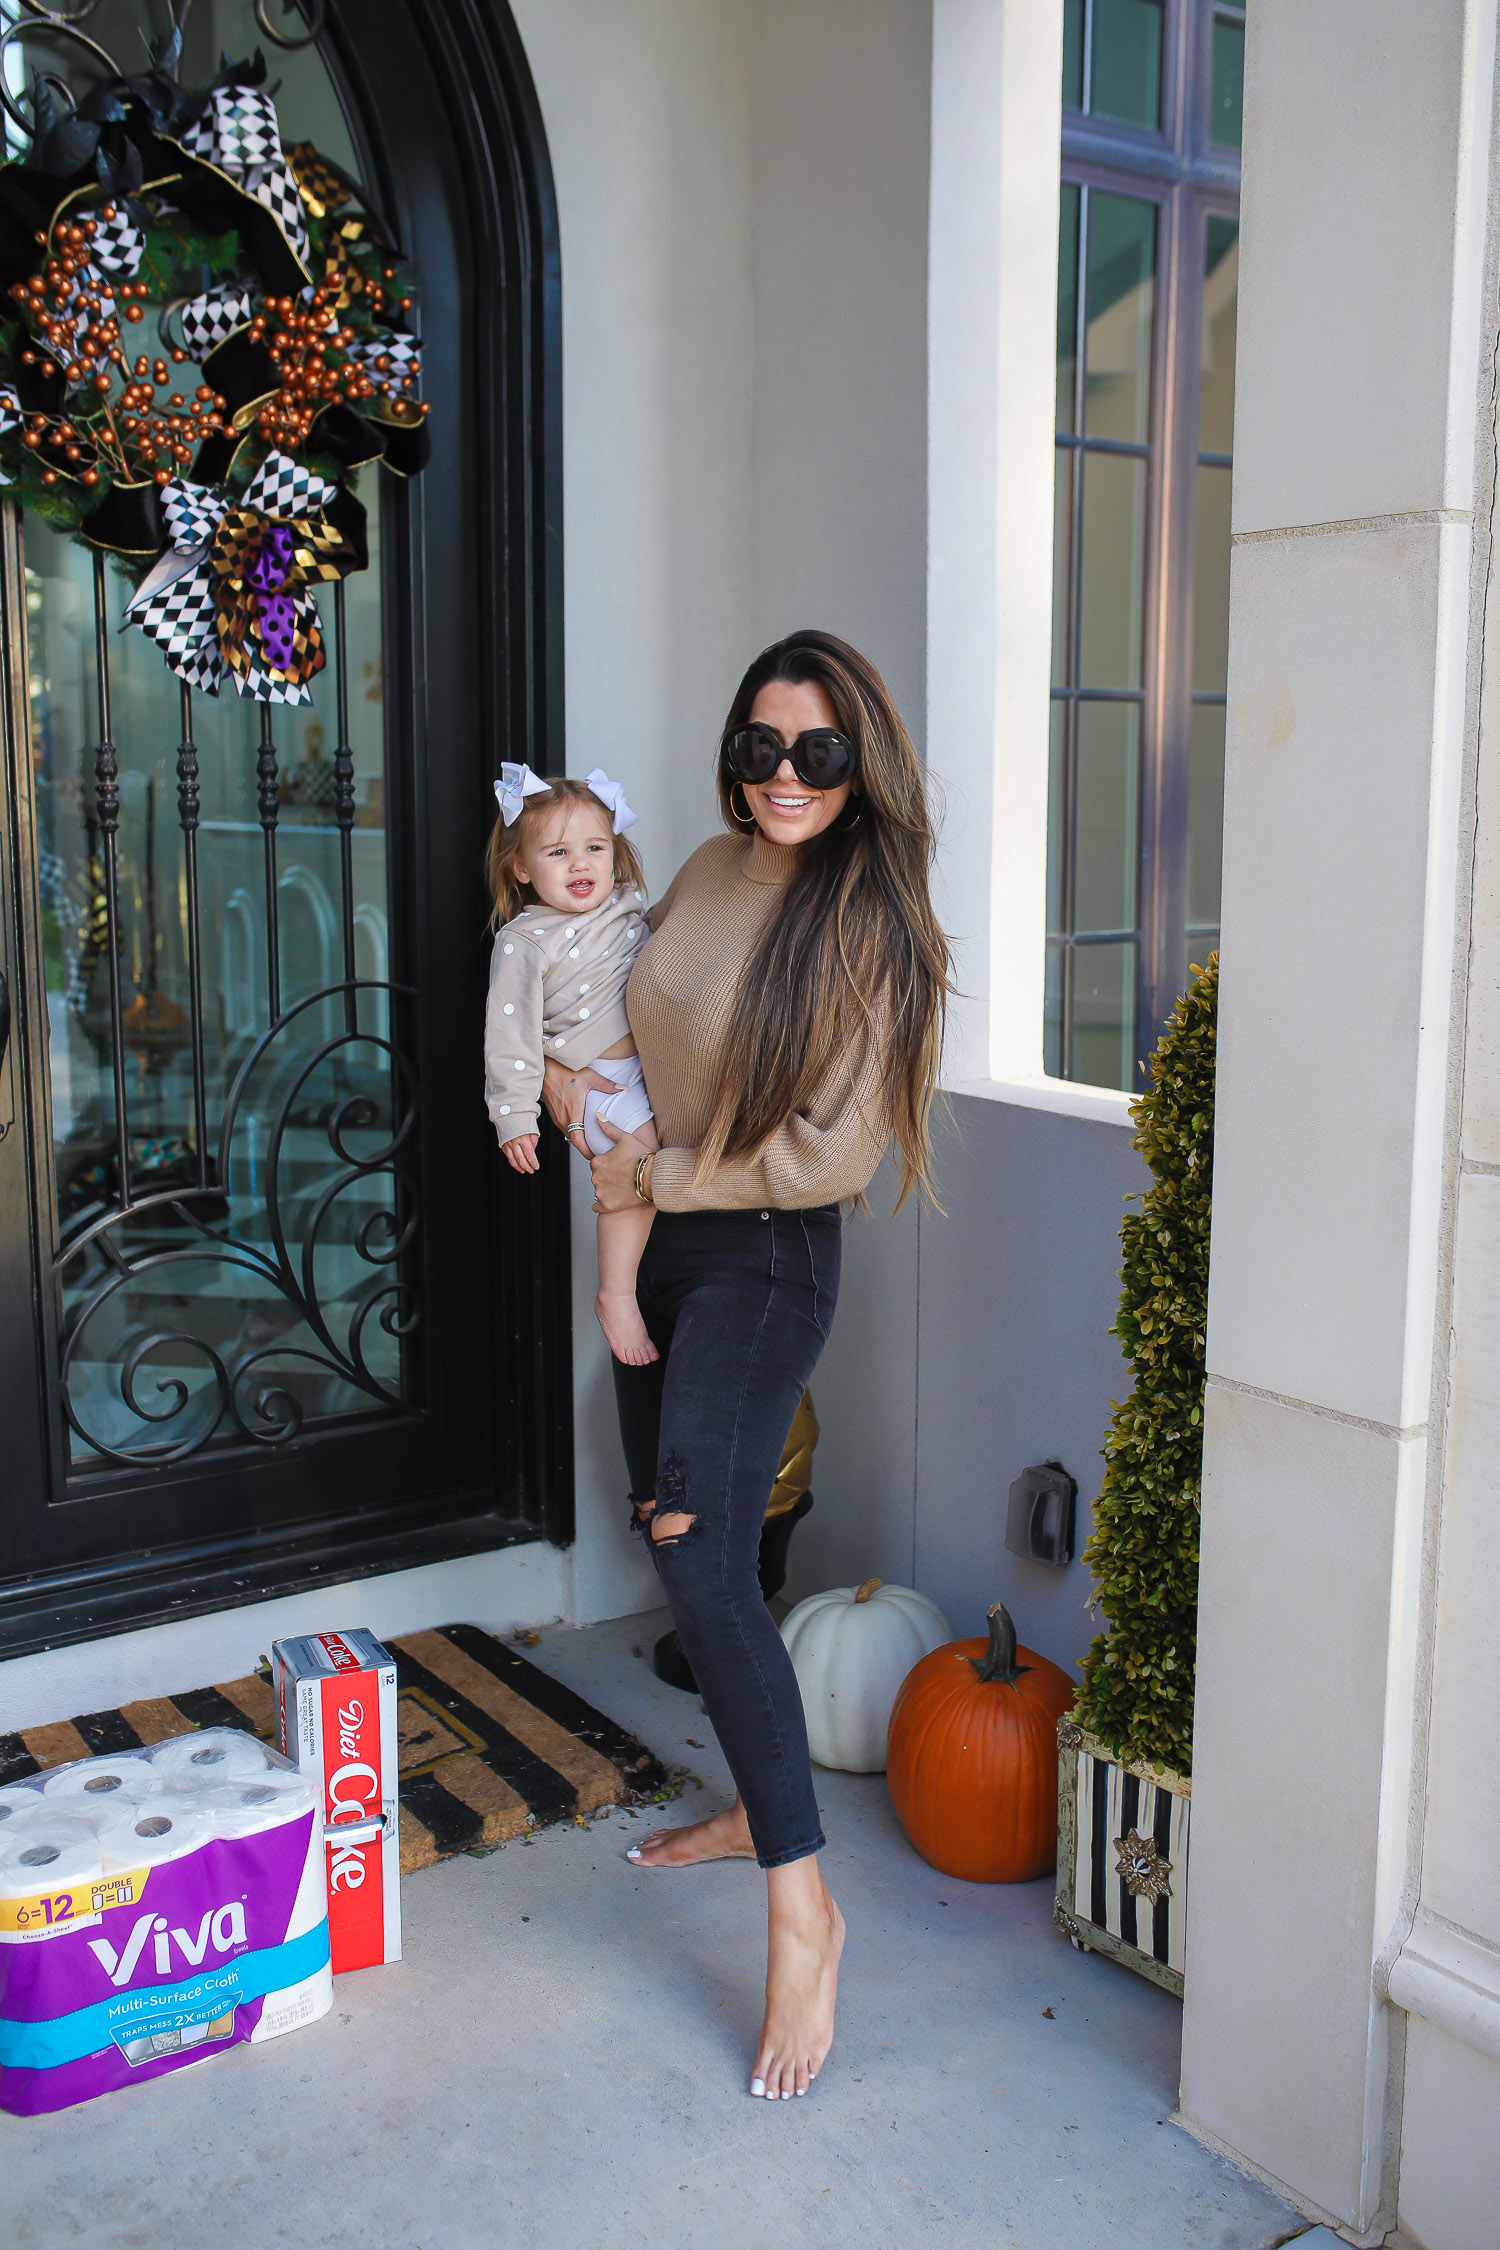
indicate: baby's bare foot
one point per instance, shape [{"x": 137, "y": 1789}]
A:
[
  {"x": 724, "y": 1835},
  {"x": 624, "y": 1329},
  {"x": 802, "y": 1975}
]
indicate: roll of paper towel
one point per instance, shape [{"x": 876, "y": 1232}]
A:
[
  {"x": 177, "y": 1941},
  {"x": 245, "y": 1808},
  {"x": 161, "y": 1828},
  {"x": 50, "y": 1853},
  {"x": 18, "y": 1801},
  {"x": 211, "y": 1754},
  {"x": 123, "y": 1779}
]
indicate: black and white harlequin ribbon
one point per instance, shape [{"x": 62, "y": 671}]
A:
[
  {"x": 118, "y": 246},
  {"x": 192, "y": 512},
  {"x": 238, "y": 132},
  {"x": 283, "y": 487},
  {"x": 205, "y": 322},
  {"x": 175, "y": 604},
  {"x": 402, "y": 355}
]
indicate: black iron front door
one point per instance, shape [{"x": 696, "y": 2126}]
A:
[{"x": 271, "y": 1310}]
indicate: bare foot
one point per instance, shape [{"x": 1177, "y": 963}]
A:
[
  {"x": 802, "y": 1971},
  {"x": 624, "y": 1329},
  {"x": 724, "y": 1835}
]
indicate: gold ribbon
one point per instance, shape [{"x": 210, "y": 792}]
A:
[
  {"x": 318, "y": 183},
  {"x": 317, "y": 553}
]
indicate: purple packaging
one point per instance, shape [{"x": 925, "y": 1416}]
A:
[{"x": 113, "y": 1973}]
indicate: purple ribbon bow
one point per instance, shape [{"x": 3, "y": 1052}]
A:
[{"x": 276, "y": 612}]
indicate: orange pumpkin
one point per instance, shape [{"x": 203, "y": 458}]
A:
[{"x": 971, "y": 1756}]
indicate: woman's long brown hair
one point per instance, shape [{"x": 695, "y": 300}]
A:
[{"x": 856, "y": 951}]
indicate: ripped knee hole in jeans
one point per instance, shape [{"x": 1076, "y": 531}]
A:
[{"x": 666, "y": 1525}]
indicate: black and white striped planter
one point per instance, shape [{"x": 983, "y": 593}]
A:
[{"x": 1122, "y": 1858}]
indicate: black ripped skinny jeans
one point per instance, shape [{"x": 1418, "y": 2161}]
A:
[{"x": 739, "y": 1304}]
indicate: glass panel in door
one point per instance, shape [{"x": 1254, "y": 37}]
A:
[
  {"x": 255, "y": 1285},
  {"x": 229, "y": 1117}
]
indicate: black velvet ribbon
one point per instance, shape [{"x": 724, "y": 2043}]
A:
[
  {"x": 243, "y": 373},
  {"x": 347, "y": 515},
  {"x": 351, "y": 439},
  {"x": 127, "y": 521},
  {"x": 30, "y": 199},
  {"x": 408, "y": 446},
  {"x": 346, "y": 436}
]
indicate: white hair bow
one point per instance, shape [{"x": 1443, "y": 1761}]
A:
[
  {"x": 612, "y": 794},
  {"x": 515, "y": 785}
]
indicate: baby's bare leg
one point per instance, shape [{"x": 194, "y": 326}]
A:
[{"x": 622, "y": 1240}]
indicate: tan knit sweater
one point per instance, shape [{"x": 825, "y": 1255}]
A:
[{"x": 679, "y": 999}]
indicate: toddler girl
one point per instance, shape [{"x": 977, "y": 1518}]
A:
[{"x": 570, "y": 903}]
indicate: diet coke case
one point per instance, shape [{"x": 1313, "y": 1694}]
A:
[{"x": 336, "y": 1716}]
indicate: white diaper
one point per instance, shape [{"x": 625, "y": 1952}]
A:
[{"x": 629, "y": 1109}]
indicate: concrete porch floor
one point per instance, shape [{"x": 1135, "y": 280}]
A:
[{"x": 561, "y": 2059}]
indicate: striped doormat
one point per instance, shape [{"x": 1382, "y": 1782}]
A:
[{"x": 491, "y": 1748}]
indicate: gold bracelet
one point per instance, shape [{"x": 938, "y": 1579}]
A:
[{"x": 640, "y": 1173}]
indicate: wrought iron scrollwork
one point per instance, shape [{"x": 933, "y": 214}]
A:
[
  {"x": 266, "y": 1412},
  {"x": 314, "y": 1163},
  {"x": 312, "y": 13},
  {"x": 37, "y": 20},
  {"x": 37, "y": 17}
]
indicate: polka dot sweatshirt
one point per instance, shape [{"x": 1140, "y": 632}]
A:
[{"x": 557, "y": 987}]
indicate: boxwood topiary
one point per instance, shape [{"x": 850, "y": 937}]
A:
[{"x": 1137, "y": 1693}]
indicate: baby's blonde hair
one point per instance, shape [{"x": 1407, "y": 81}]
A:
[{"x": 507, "y": 845}]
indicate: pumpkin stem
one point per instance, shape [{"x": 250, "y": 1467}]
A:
[
  {"x": 999, "y": 1659},
  {"x": 870, "y": 1586}
]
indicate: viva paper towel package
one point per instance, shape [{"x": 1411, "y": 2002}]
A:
[
  {"x": 336, "y": 1715},
  {"x": 155, "y": 1908}
]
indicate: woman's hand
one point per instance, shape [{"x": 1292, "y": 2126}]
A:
[
  {"x": 614, "y": 1175},
  {"x": 520, "y": 1154},
  {"x": 565, "y": 1091}
]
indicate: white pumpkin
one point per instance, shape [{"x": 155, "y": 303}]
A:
[{"x": 851, "y": 1648}]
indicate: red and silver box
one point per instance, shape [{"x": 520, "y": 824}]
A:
[{"x": 336, "y": 1716}]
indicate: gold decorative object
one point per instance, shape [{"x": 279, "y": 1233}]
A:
[
  {"x": 795, "y": 1474},
  {"x": 1143, "y": 1867},
  {"x": 153, "y": 1026}
]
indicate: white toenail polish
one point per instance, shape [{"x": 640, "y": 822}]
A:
[
  {"x": 757, "y": 2085},
  {"x": 786, "y": 2097}
]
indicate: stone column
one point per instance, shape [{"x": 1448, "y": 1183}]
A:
[{"x": 1365, "y": 346}]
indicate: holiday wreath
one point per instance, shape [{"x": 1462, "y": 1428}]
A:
[{"x": 267, "y": 270}]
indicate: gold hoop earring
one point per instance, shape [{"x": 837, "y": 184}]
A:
[
  {"x": 745, "y": 819},
  {"x": 842, "y": 827}
]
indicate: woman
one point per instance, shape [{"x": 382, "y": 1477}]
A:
[{"x": 788, "y": 1012}]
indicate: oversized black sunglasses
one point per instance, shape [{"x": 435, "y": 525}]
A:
[{"x": 821, "y": 757}]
